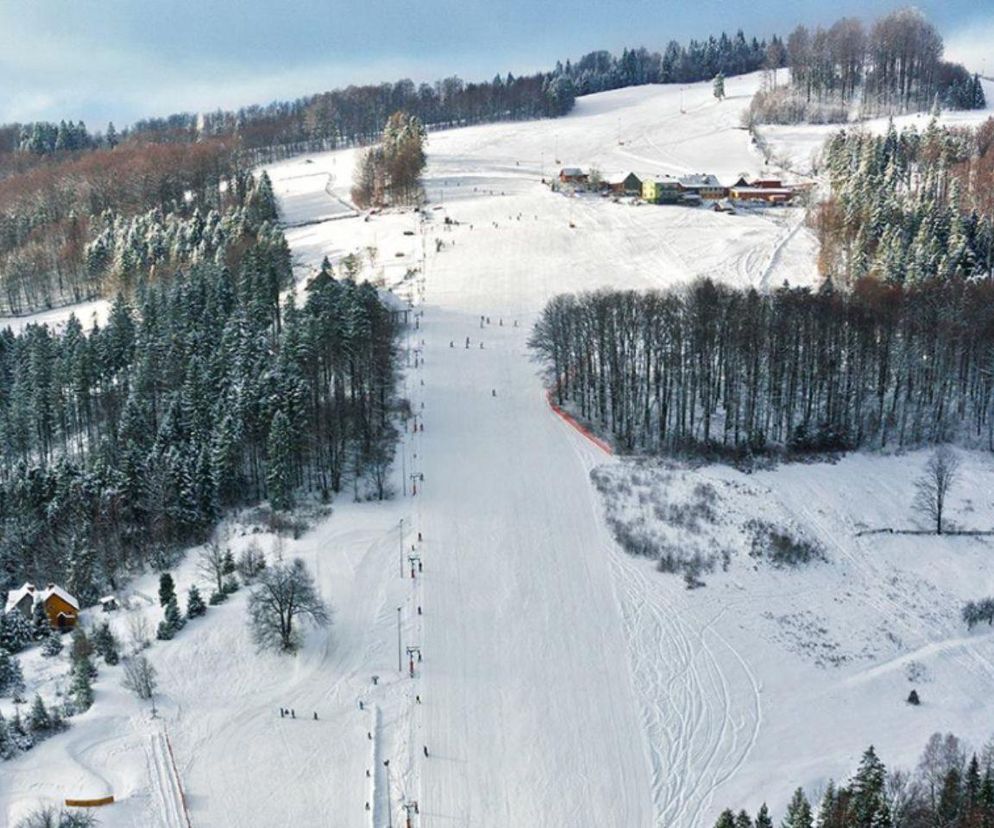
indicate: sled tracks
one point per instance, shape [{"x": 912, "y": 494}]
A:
[
  {"x": 169, "y": 796},
  {"x": 700, "y": 700}
]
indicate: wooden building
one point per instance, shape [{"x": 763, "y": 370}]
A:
[
  {"x": 61, "y": 608},
  {"x": 572, "y": 175}
]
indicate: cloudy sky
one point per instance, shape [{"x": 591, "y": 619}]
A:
[{"x": 120, "y": 60}]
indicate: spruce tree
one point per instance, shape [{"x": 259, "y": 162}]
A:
[
  {"x": 11, "y": 678},
  {"x": 15, "y": 631},
  {"x": 53, "y": 645},
  {"x": 81, "y": 686},
  {"x": 106, "y": 644},
  {"x": 798, "y": 812},
  {"x": 38, "y": 719},
  {"x": 763, "y": 819},
  {"x": 726, "y": 819},
  {"x": 195, "y": 605},
  {"x": 40, "y": 625},
  {"x": 8, "y": 748},
  {"x": 279, "y": 468},
  {"x": 867, "y": 791},
  {"x": 167, "y": 589},
  {"x": 743, "y": 820},
  {"x": 718, "y": 86}
]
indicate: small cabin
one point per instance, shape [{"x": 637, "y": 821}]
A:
[
  {"x": 61, "y": 608},
  {"x": 572, "y": 175},
  {"x": 109, "y": 603},
  {"x": 631, "y": 184}
]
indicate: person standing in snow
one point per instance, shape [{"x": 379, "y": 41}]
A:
[{"x": 426, "y": 751}]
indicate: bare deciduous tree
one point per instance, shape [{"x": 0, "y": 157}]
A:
[
  {"x": 284, "y": 594},
  {"x": 212, "y": 563},
  {"x": 932, "y": 488},
  {"x": 139, "y": 678},
  {"x": 139, "y": 631}
]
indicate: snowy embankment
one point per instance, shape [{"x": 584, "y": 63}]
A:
[{"x": 562, "y": 682}]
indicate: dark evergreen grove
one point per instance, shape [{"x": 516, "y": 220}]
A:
[
  {"x": 713, "y": 367},
  {"x": 949, "y": 787},
  {"x": 204, "y": 392}
]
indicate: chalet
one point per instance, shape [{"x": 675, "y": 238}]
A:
[
  {"x": 662, "y": 191},
  {"x": 572, "y": 175},
  {"x": 631, "y": 184},
  {"x": 61, "y": 608},
  {"x": 704, "y": 185}
]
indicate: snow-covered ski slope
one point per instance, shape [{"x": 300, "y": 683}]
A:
[{"x": 563, "y": 683}]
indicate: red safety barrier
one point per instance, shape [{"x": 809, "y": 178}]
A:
[{"x": 586, "y": 432}]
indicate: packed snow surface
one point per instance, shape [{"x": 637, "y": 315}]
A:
[{"x": 562, "y": 682}]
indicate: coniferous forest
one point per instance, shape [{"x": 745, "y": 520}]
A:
[{"x": 125, "y": 441}]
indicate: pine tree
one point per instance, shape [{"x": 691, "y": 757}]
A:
[
  {"x": 105, "y": 643},
  {"x": 279, "y": 468},
  {"x": 726, "y": 819},
  {"x": 868, "y": 803},
  {"x": 743, "y": 820},
  {"x": 40, "y": 625},
  {"x": 195, "y": 606},
  {"x": 718, "y": 86},
  {"x": 763, "y": 819},
  {"x": 167, "y": 589},
  {"x": 38, "y": 719},
  {"x": 11, "y": 678},
  {"x": 172, "y": 623},
  {"x": 15, "y": 631},
  {"x": 798, "y": 812},
  {"x": 8, "y": 748},
  {"x": 81, "y": 686}
]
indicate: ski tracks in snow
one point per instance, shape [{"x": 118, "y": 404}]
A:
[
  {"x": 165, "y": 782},
  {"x": 700, "y": 701}
]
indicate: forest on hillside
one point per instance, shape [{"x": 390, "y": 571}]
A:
[
  {"x": 894, "y": 65},
  {"x": 717, "y": 369},
  {"x": 122, "y": 443},
  {"x": 908, "y": 206}
]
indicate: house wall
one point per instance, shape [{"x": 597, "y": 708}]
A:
[{"x": 55, "y": 605}]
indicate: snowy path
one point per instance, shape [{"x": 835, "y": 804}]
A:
[{"x": 171, "y": 809}]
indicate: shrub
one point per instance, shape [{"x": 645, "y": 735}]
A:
[{"x": 781, "y": 548}]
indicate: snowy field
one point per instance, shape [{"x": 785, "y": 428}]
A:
[{"x": 563, "y": 682}]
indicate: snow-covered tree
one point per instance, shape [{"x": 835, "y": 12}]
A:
[
  {"x": 718, "y": 86},
  {"x": 283, "y": 596},
  {"x": 167, "y": 589},
  {"x": 195, "y": 606}
]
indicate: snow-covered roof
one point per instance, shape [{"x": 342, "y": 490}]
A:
[
  {"x": 392, "y": 301},
  {"x": 15, "y": 596},
  {"x": 107, "y": 599},
  {"x": 573, "y": 171},
  {"x": 784, "y": 191},
  {"x": 52, "y": 589},
  {"x": 700, "y": 180}
]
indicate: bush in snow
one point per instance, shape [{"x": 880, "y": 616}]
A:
[
  {"x": 230, "y": 586},
  {"x": 81, "y": 646},
  {"x": 913, "y": 698},
  {"x": 975, "y": 612},
  {"x": 52, "y": 816},
  {"x": 16, "y": 632},
  {"x": 139, "y": 677},
  {"x": 780, "y": 547},
  {"x": 217, "y": 598},
  {"x": 283, "y": 596},
  {"x": 52, "y": 646},
  {"x": 250, "y": 563}
]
